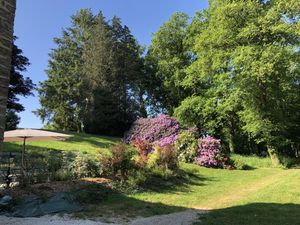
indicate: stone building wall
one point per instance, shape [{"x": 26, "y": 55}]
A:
[{"x": 7, "y": 15}]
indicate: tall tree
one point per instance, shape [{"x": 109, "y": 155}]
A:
[
  {"x": 168, "y": 57},
  {"x": 18, "y": 85},
  {"x": 93, "y": 77},
  {"x": 248, "y": 58},
  {"x": 61, "y": 95},
  {"x": 113, "y": 68},
  {"x": 7, "y": 15}
]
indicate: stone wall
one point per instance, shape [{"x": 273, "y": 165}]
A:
[{"x": 7, "y": 15}]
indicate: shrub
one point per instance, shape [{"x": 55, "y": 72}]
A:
[
  {"x": 119, "y": 162},
  {"x": 210, "y": 153},
  {"x": 63, "y": 175},
  {"x": 85, "y": 166},
  {"x": 138, "y": 178},
  {"x": 288, "y": 162},
  {"x": 241, "y": 166},
  {"x": 163, "y": 157},
  {"x": 186, "y": 146},
  {"x": 54, "y": 161},
  {"x": 161, "y": 130},
  {"x": 143, "y": 150}
]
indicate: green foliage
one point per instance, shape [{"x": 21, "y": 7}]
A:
[
  {"x": 94, "y": 77},
  {"x": 92, "y": 194},
  {"x": 113, "y": 69},
  {"x": 85, "y": 165},
  {"x": 120, "y": 163},
  {"x": 186, "y": 146},
  {"x": 61, "y": 98},
  {"x": 241, "y": 166},
  {"x": 12, "y": 120},
  {"x": 164, "y": 158},
  {"x": 243, "y": 82},
  {"x": 138, "y": 178},
  {"x": 289, "y": 162},
  {"x": 63, "y": 175},
  {"x": 18, "y": 85},
  {"x": 168, "y": 56},
  {"x": 251, "y": 161}
]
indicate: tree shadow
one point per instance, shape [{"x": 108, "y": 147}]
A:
[
  {"x": 95, "y": 141},
  {"x": 102, "y": 141},
  {"x": 99, "y": 201},
  {"x": 181, "y": 181},
  {"x": 254, "y": 214}
]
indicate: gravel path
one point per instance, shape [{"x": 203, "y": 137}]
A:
[{"x": 181, "y": 218}]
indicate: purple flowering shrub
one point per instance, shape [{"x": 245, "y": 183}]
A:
[
  {"x": 210, "y": 154},
  {"x": 161, "y": 130}
]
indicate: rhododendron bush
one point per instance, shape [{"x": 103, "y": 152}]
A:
[
  {"x": 161, "y": 130},
  {"x": 148, "y": 133},
  {"x": 210, "y": 153}
]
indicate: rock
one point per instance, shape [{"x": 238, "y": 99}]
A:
[{"x": 5, "y": 200}]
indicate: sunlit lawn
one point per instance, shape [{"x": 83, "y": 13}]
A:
[
  {"x": 78, "y": 143},
  {"x": 261, "y": 196}
]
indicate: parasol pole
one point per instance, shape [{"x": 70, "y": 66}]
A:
[{"x": 23, "y": 163}]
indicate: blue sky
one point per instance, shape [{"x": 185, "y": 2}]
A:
[{"x": 39, "y": 21}]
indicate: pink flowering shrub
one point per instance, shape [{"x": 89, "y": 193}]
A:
[
  {"x": 210, "y": 153},
  {"x": 161, "y": 130}
]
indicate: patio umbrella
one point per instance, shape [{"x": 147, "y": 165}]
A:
[{"x": 32, "y": 135}]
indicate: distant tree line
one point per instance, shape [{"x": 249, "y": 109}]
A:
[{"x": 232, "y": 71}]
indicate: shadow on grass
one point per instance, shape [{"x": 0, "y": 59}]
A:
[
  {"x": 17, "y": 147},
  {"x": 100, "y": 201},
  {"x": 179, "y": 182},
  {"x": 254, "y": 214},
  {"x": 95, "y": 141},
  {"x": 101, "y": 141}
]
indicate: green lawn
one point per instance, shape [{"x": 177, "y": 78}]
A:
[
  {"x": 79, "y": 143},
  {"x": 261, "y": 196},
  {"x": 252, "y": 161},
  {"x": 267, "y": 196}
]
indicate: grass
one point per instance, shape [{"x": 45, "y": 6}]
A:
[
  {"x": 84, "y": 143},
  {"x": 266, "y": 196},
  {"x": 252, "y": 161},
  {"x": 261, "y": 196},
  {"x": 275, "y": 201}
]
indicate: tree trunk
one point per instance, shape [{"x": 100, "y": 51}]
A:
[
  {"x": 7, "y": 17},
  {"x": 230, "y": 132},
  {"x": 273, "y": 155}
]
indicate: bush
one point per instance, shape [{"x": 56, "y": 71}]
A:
[
  {"x": 63, "y": 175},
  {"x": 161, "y": 130},
  {"x": 54, "y": 161},
  {"x": 241, "y": 166},
  {"x": 210, "y": 154},
  {"x": 288, "y": 162},
  {"x": 119, "y": 162},
  {"x": 85, "y": 166},
  {"x": 138, "y": 178},
  {"x": 186, "y": 146},
  {"x": 163, "y": 157},
  {"x": 143, "y": 150}
]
